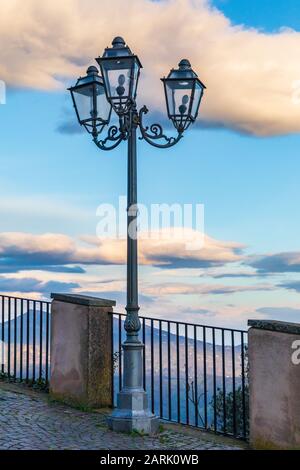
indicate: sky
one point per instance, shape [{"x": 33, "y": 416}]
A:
[{"x": 240, "y": 160}]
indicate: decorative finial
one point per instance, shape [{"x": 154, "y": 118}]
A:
[
  {"x": 184, "y": 64},
  {"x": 118, "y": 42},
  {"x": 92, "y": 70}
]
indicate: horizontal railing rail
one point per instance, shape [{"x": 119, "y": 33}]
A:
[
  {"x": 25, "y": 339},
  {"x": 194, "y": 374}
]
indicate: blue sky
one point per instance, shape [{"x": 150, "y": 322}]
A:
[
  {"x": 214, "y": 166},
  {"x": 268, "y": 15},
  {"x": 52, "y": 182}
]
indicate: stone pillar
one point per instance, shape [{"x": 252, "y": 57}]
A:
[
  {"x": 274, "y": 360},
  {"x": 81, "y": 360}
]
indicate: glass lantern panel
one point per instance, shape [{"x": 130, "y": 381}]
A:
[
  {"x": 179, "y": 96},
  {"x": 117, "y": 73},
  {"x": 197, "y": 99},
  {"x": 102, "y": 105},
  {"x": 136, "y": 69},
  {"x": 83, "y": 97}
]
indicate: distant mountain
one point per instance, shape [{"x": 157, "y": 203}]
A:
[
  {"x": 201, "y": 349},
  {"x": 41, "y": 330},
  {"x": 28, "y": 318}
]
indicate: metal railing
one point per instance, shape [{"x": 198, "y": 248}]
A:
[
  {"x": 194, "y": 374},
  {"x": 25, "y": 340}
]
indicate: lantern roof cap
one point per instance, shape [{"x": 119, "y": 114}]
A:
[
  {"x": 92, "y": 76},
  {"x": 184, "y": 72},
  {"x": 118, "y": 49}
]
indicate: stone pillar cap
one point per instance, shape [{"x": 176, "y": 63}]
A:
[
  {"x": 275, "y": 325},
  {"x": 83, "y": 300}
]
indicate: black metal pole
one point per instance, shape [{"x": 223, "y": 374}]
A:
[
  {"x": 132, "y": 322},
  {"x": 132, "y": 403}
]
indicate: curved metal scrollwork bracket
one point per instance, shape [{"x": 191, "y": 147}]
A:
[
  {"x": 154, "y": 134},
  {"x": 114, "y": 135}
]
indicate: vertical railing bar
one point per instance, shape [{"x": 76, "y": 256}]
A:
[
  {"x": 233, "y": 385},
  {"x": 144, "y": 353},
  {"x": 197, "y": 404},
  {"x": 33, "y": 340},
  {"x": 214, "y": 379},
  {"x": 205, "y": 376},
  {"x": 47, "y": 343},
  {"x": 224, "y": 382},
  {"x": 41, "y": 342},
  {"x": 152, "y": 368},
  {"x": 112, "y": 346},
  {"x": 21, "y": 340},
  {"x": 15, "y": 338},
  {"x": 160, "y": 372},
  {"x": 9, "y": 337},
  {"x": 120, "y": 352},
  {"x": 243, "y": 385},
  {"x": 187, "y": 376},
  {"x": 169, "y": 374},
  {"x": 3, "y": 335},
  {"x": 27, "y": 340},
  {"x": 178, "y": 372}
]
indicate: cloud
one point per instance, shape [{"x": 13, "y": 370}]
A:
[
  {"x": 252, "y": 77},
  {"x": 280, "y": 313},
  {"x": 15, "y": 268},
  {"x": 288, "y": 262},
  {"x": 201, "y": 312},
  {"x": 170, "y": 249},
  {"x": 235, "y": 275},
  {"x": 22, "y": 251},
  {"x": 205, "y": 289},
  {"x": 292, "y": 285},
  {"x": 8, "y": 284},
  {"x": 69, "y": 127},
  {"x": 50, "y": 251},
  {"x": 238, "y": 275},
  {"x": 118, "y": 296}
]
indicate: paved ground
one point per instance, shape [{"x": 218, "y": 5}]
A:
[{"x": 28, "y": 420}]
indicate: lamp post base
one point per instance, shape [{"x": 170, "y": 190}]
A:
[
  {"x": 132, "y": 413},
  {"x": 128, "y": 421}
]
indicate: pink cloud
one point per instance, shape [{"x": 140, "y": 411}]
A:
[
  {"x": 252, "y": 77},
  {"x": 56, "y": 249}
]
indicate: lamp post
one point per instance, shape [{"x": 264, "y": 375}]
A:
[{"x": 94, "y": 98}]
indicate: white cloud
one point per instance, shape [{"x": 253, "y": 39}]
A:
[
  {"x": 208, "y": 289},
  {"x": 250, "y": 75},
  {"x": 49, "y": 249},
  {"x": 171, "y": 251}
]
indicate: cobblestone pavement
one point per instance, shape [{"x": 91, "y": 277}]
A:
[{"x": 29, "y": 420}]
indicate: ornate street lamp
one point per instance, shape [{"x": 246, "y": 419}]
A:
[
  {"x": 120, "y": 70},
  {"x": 90, "y": 103},
  {"x": 183, "y": 91}
]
